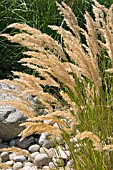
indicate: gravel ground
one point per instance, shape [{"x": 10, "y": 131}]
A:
[{"x": 43, "y": 154}]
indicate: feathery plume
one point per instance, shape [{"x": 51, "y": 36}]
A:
[
  {"x": 94, "y": 138},
  {"x": 38, "y": 128}
]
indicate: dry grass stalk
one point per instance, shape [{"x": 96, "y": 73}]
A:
[
  {"x": 69, "y": 17},
  {"x": 69, "y": 101},
  {"x": 94, "y": 138},
  {"x": 87, "y": 65},
  {"x": 108, "y": 148},
  {"x": 38, "y": 128},
  {"x": 4, "y": 166},
  {"x": 50, "y": 60},
  {"x": 21, "y": 106},
  {"x": 101, "y": 7}
]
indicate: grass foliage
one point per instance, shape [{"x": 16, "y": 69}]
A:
[{"x": 80, "y": 67}]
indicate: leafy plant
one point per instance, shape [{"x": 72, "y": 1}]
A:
[{"x": 81, "y": 69}]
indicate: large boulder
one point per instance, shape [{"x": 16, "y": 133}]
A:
[{"x": 10, "y": 117}]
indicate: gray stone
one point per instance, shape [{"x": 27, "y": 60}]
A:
[
  {"x": 17, "y": 165},
  {"x": 20, "y": 159},
  {"x": 34, "y": 148},
  {"x": 25, "y": 143},
  {"x": 41, "y": 160},
  {"x": 12, "y": 142},
  {"x": 48, "y": 144},
  {"x": 10, "y": 117},
  {"x": 45, "y": 141},
  {"x": 2, "y": 145}
]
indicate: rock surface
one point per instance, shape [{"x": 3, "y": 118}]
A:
[{"x": 10, "y": 117}]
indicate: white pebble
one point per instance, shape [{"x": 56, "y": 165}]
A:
[
  {"x": 34, "y": 154},
  {"x": 28, "y": 164},
  {"x": 60, "y": 140},
  {"x": 26, "y": 168},
  {"x": 34, "y": 168},
  {"x": 34, "y": 148},
  {"x": 17, "y": 165},
  {"x": 12, "y": 156},
  {"x": 69, "y": 163},
  {"x": 52, "y": 165},
  {"x": 46, "y": 151},
  {"x": 43, "y": 136},
  {"x": 10, "y": 163},
  {"x": 56, "y": 125},
  {"x": 46, "y": 168},
  {"x": 64, "y": 154}
]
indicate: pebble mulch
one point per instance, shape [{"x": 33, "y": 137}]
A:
[{"x": 44, "y": 155}]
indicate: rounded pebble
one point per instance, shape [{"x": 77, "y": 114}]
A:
[
  {"x": 41, "y": 159},
  {"x": 20, "y": 159},
  {"x": 26, "y": 168},
  {"x": 34, "y": 154},
  {"x": 52, "y": 165},
  {"x": 12, "y": 142},
  {"x": 5, "y": 156},
  {"x": 34, "y": 168},
  {"x": 34, "y": 148},
  {"x": 60, "y": 140},
  {"x": 63, "y": 154},
  {"x": 48, "y": 144},
  {"x": 25, "y": 143},
  {"x": 17, "y": 165},
  {"x": 46, "y": 168},
  {"x": 42, "y": 138},
  {"x": 46, "y": 151},
  {"x": 12, "y": 156},
  {"x": 28, "y": 164},
  {"x": 10, "y": 163}
]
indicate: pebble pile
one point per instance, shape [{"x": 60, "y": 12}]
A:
[{"x": 42, "y": 151}]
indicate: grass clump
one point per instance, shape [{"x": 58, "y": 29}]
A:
[{"x": 81, "y": 69}]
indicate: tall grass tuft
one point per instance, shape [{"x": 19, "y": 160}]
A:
[{"x": 81, "y": 69}]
